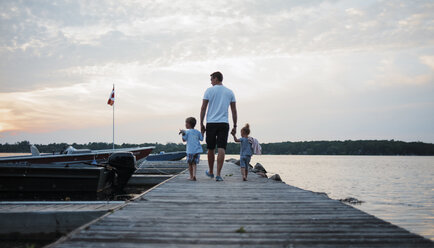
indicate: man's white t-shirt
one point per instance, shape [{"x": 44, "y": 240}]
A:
[{"x": 219, "y": 98}]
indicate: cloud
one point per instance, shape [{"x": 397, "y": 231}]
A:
[
  {"x": 226, "y": 29},
  {"x": 428, "y": 60},
  {"x": 397, "y": 70},
  {"x": 354, "y": 12},
  {"x": 49, "y": 109}
]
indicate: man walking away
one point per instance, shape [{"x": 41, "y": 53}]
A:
[{"x": 217, "y": 99}]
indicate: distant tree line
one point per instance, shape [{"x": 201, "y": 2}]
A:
[
  {"x": 348, "y": 147},
  {"x": 24, "y": 146}
]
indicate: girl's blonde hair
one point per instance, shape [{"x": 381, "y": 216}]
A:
[{"x": 246, "y": 128}]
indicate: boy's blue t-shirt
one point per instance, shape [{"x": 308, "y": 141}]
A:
[
  {"x": 246, "y": 147},
  {"x": 192, "y": 136}
]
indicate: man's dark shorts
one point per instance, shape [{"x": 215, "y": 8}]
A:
[{"x": 217, "y": 134}]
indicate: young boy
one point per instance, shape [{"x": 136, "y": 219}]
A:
[
  {"x": 194, "y": 149},
  {"x": 246, "y": 150}
]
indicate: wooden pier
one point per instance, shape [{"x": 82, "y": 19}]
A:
[
  {"x": 46, "y": 220},
  {"x": 257, "y": 213},
  {"x": 150, "y": 173}
]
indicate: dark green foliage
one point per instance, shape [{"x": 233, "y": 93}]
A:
[
  {"x": 24, "y": 146},
  {"x": 348, "y": 147}
]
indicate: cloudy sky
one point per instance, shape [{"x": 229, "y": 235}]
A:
[{"x": 300, "y": 70}]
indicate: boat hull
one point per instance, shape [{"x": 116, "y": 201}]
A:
[
  {"x": 97, "y": 156},
  {"x": 54, "y": 178},
  {"x": 168, "y": 156}
]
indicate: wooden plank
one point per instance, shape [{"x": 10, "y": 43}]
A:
[
  {"x": 206, "y": 213},
  {"x": 161, "y": 170},
  {"x": 34, "y": 207},
  {"x": 138, "y": 179},
  {"x": 163, "y": 164},
  {"x": 30, "y": 219}
]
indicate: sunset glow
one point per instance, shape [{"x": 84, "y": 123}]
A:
[{"x": 305, "y": 70}]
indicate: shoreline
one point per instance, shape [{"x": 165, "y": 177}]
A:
[{"x": 5, "y": 154}]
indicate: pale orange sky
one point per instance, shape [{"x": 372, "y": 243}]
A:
[{"x": 311, "y": 70}]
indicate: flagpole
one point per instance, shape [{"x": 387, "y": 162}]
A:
[{"x": 113, "y": 122}]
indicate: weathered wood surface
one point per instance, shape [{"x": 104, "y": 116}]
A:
[
  {"x": 10, "y": 207},
  {"x": 31, "y": 219},
  {"x": 162, "y": 171},
  {"x": 155, "y": 172},
  {"x": 206, "y": 213},
  {"x": 142, "y": 179},
  {"x": 163, "y": 164}
]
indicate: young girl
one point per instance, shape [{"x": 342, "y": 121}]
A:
[
  {"x": 246, "y": 150},
  {"x": 194, "y": 149}
]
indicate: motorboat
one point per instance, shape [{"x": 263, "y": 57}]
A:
[
  {"x": 166, "y": 156},
  {"x": 67, "y": 178},
  {"x": 75, "y": 155}
]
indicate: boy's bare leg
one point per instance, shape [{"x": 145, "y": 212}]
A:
[
  {"x": 190, "y": 169},
  {"x": 220, "y": 160},
  {"x": 211, "y": 158},
  {"x": 244, "y": 173},
  {"x": 194, "y": 172}
]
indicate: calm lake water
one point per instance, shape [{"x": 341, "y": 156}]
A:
[{"x": 398, "y": 189}]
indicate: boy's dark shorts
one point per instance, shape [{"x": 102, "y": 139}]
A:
[
  {"x": 217, "y": 134},
  {"x": 193, "y": 158}
]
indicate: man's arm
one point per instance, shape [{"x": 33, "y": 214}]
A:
[
  {"x": 202, "y": 115},
  {"x": 234, "y": 117}
]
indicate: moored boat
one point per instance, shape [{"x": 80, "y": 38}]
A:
[
  {"x": 75, "y": 155},
  {"x": 24, "y": 177},
  {"x": 166, "y": 156},
  {"x": 65, "y": 178}
]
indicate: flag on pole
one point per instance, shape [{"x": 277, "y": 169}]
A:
[{"x": 111, "y": 99}]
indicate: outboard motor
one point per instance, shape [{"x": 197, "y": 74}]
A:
[
  {"x": 34, "y": 150},
  {"x": 125, "y": 165}
]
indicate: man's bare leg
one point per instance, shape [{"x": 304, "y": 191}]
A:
[
  {"x": 211, "y": 158},
  {"x": 220, "y": 160}
]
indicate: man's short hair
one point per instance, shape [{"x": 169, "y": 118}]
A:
[
  {"x": 191, "y": 121},
  {"x": 217, "y": 75}
]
